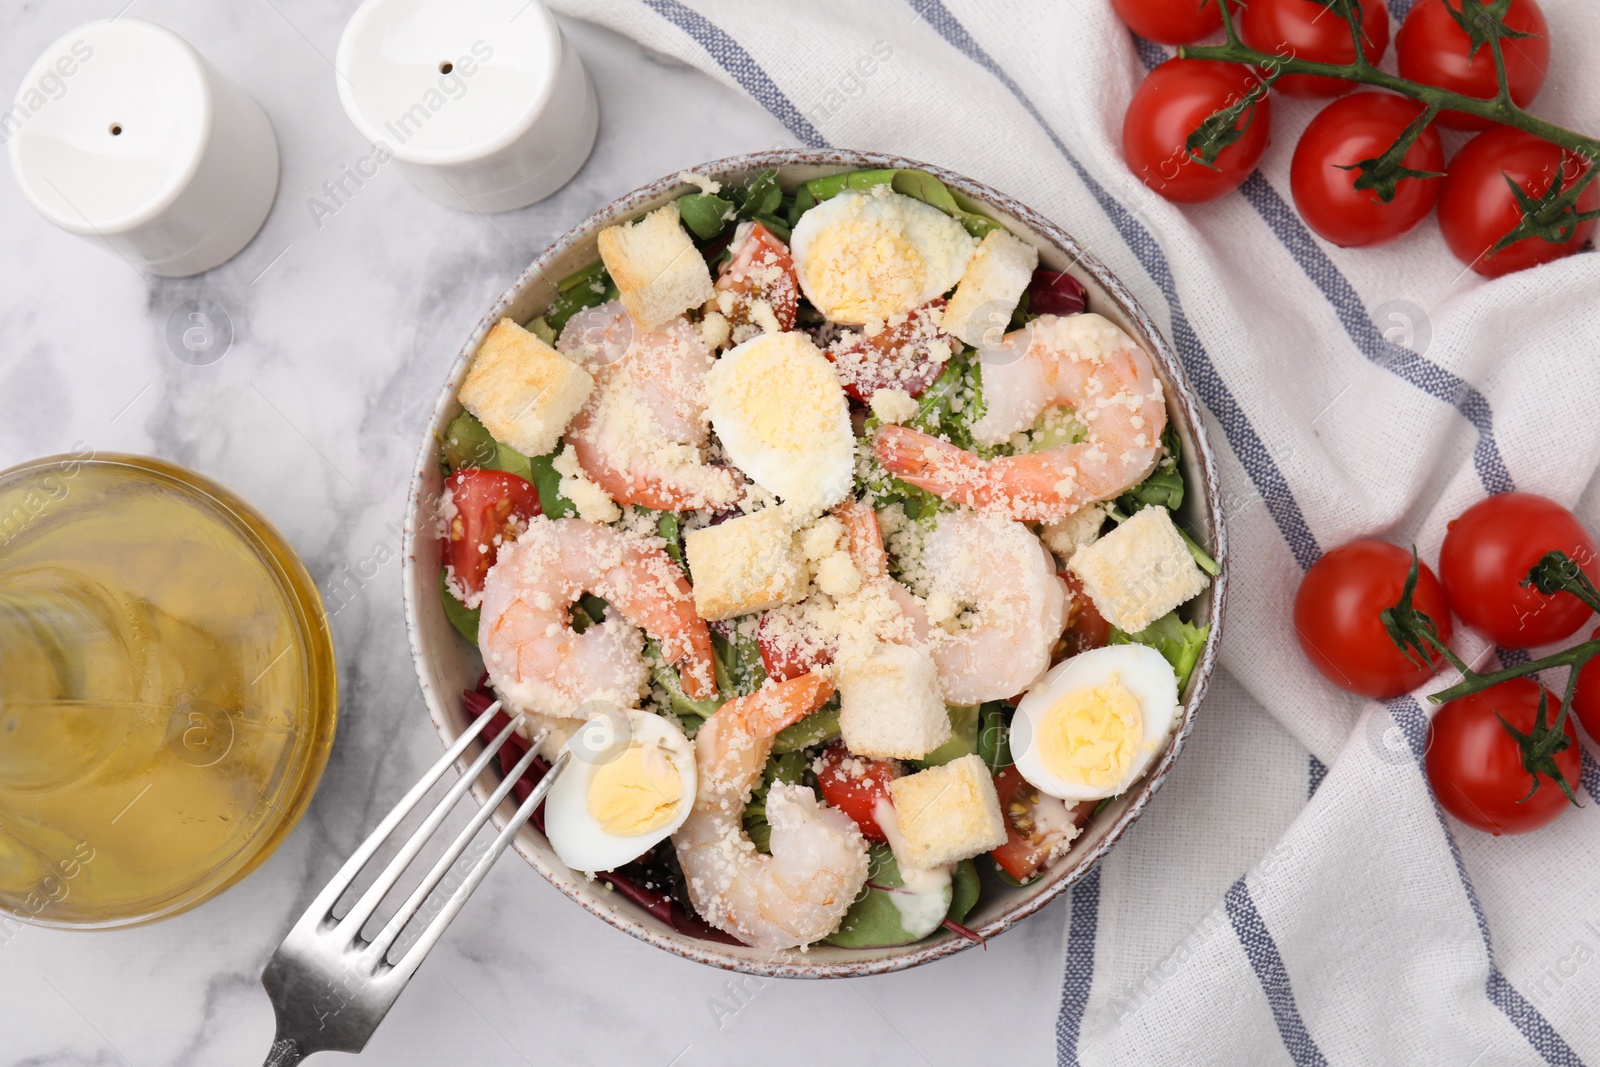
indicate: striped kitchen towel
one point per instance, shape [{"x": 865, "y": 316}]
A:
[{"x": 1294, "y": 895}]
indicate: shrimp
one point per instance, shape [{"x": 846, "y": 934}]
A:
[
  {"x": 800, "y": 892},
  {"x": 534, "y": 658},
  {"x": 642, "y": 435},
  {"x": 1079, "y": 361},
  {"x": 993, "y": 606}
]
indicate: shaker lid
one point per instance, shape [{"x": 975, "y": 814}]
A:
[
  {"x": 109, "y": 125},
  {"x": 447, "y": 81}
]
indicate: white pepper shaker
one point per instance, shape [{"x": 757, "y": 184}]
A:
[
  {"x": 483, "y": 103},
  {"x": 125, "y": 135}
]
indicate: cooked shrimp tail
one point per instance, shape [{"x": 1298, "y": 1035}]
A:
[
  {"x": 799, "y": 893},
  {"x": 1081, "y": 362},
  {"x": 540, "y": 664}
]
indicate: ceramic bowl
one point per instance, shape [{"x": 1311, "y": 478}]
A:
[{"x": 446, "y": 664}]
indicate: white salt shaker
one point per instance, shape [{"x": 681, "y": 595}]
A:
[
  {"x": 123, "y": 134},
  {"x": 483, "y": 103}
]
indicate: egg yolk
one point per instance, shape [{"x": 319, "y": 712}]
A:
[
  {"x": 786, "y": 392},
  {"x": 1090, "y": 736},
  {"x": 862, "y": 269},
  {"x": 635, "y": 793}
]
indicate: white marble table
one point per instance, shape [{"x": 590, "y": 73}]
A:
[{"x": 343, "y": 326}]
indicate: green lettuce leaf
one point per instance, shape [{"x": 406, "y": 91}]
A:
[
  {"x": 963, "y": 737},
  {"x": 873, "y": 921},
  {"x": 463, "y": 618},
  {"x": 1178, "y": 640}
]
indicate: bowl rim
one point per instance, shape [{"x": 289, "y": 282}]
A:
[{"x": 417, "y": 589}]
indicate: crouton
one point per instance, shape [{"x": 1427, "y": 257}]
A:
[
  {"x": 659, "y": 272},
  {"x": 746, "y": 564},
  {"x": 522, "y": 390},
  {"x": 947, "y": 813},
  {"x": 1138, "y": 572},
  {"x": 890, "y": 704},
  {"x": 991, "y": 287}
]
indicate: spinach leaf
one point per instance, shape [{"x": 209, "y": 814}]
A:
[
  {"x": 705, "y": 214},
  {"x": 761, "y": 197},
  {"x": 1179, "y": 641},
  {"x": 964, "y": 891},
  {"x": 963, "y": 737},
  {"x": 467, "y": 443},
  {"x": 821, "y": 725},
  {"x": 463, "y": 618},
  {"x": 994, "y": 736},
  {"x": 918, "y": 184},
  {"x": 587, "y": 288},
  {"x": 873, "y": 921}
]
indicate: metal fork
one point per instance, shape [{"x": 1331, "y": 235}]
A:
[{"x": 331, "y": 987}]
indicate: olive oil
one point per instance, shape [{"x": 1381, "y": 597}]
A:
[{"x": 167, "y": 694}]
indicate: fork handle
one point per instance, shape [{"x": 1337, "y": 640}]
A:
[{"x": 285, "y": 1053}]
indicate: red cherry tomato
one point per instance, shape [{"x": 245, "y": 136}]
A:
[
  {"x": 1433, "y": 49},
  {"x": 1086, "y": 627},
  {"x": 899, "y": 356},
  {"x": 1487, "y": 554},
  {"x": 1586, "y": 698},
  {"x": 760, "y": 268},
  {"x": 1172, "y": 102},
  {"x": 1170, "y": 21},
  {"x": 1336, "y": 617},
  {"x": 1036, "y": 825},
  {"x": 491, "y": 507},
  {"x": 784, "y": 657},
  {"x": 855, "y": 785},
  {"x": 1475, "y": 766},
  {"x": 1477, "y": 207},
  {"x": 1346, "y": 132},
  {"x": 1307, "y": 29}
]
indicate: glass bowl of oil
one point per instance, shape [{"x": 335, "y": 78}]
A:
[{"x": 167, "y": 690}]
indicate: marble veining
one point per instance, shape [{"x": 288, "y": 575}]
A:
[{"x": 342, "y": 325}]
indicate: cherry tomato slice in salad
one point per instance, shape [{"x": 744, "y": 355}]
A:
[
  {"x": 1475, "y": 766},
  {"x": 1487, "y": 554},
  {"x": 1169, "y": 105},
  {"x": 491, "y": 507},
  {"x": 1432, "y": 48},
  {"x": 1307, "y": 29},
  {"x": 1347, "y": 131},
  {"x": 760, "y": 268},
  {"x": 1029, "y": 836},
  {"x": 1170, "y": 21},
  {"x": 1336, "y": 617},
  {"x": 855, "y": 785},
  {"x": 782, "y": 661},
  {"x": 1477, "y": 207},
  {"x": 1086, "y": 627},
  {"x": 907, "y": 355}
]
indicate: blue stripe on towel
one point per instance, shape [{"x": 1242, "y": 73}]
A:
[
  {"x": 1370, "y": 341},
  {"x": 1413, "y": 723},
  {"x": 741, "y": 66},
  {"x": 1267, "y": 962},
  {"x": 1319, "y": 771},
  {"x": 1078, "y": 974},
  {"x": 1242, "y": 435}
]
